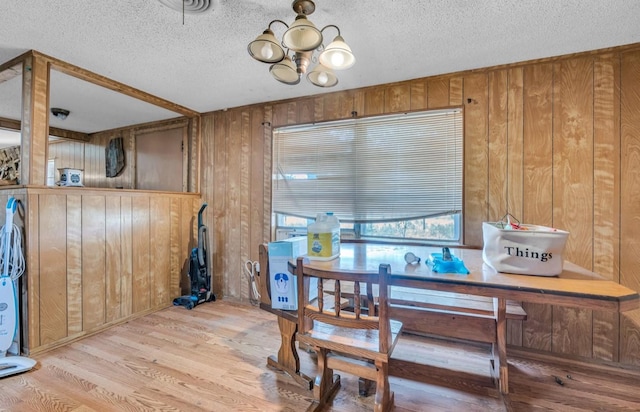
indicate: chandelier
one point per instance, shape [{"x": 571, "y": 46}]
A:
[{"x": 302, "y": 39}]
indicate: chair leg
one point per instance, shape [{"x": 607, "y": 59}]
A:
[
  {"x": 326, "y": 383},
  {"x": 384, "y": 396},
  {"x": 366, "y": 387}
]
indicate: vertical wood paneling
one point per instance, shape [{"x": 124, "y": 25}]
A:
[
  {"x": 359, "y": 98},
  {"x": 211, "y": 189},
  {"x": 630, "y": 338},
  {"x": 398, "y": 98},
  {"x": 475, "y": 157},
  {"x": 189, "y": 235},
  {"x": 498, "y": 146},
  {"x": 74, "y": 264},
  {"x": 113, "y": 263},
  {"x": 630, "y": 198},
  {"x": 67, "y": 154},
  {"x": 331, "y": 108},
  {"x": 438, "y": 95},
  {"x": 515, "y": 168},
  {"x": 606, "y": 195},
  {"x": 220, "y": 208},
  {"x": 233, "y": 261},
  {"x": 306, "y": 110},
  {"x": 175, "y": 265},
  {"x": 538, "y": 145},
  {"x": 373, "y": 101},
  {"x": 141, "y": 282},
  {"x": 318, "y": 109},
  {"x": 337, "y": 105},
  {"x": 256, "y": 187},
  {"x": 126, "y": 237},
  {"x": 32, "y": 261},
  {"x": 93, "y": 262},
  {"x": 26, "y": 123},
  {"x": 194, "y": 138},
  {"x": 514, "y": 142},
  {"x": 36, "y": 106},
  {"x": 266, "y": 182},
  {"x": 53, "y": 279},
  {"x": 630, "y": 170},
  {"x": 573, "y": 189},
  {"x": 537, "y": 182},
  {"x": 573, "y": 156},
  {"x": 160, "y": 243},
  {"x": 90, "y": 153},
  {"x": 245, "y": 200},
  {"x": 540, "y": 141},
  {"x": 455, "y": 91},
  {"x": 283, "y": 114},
  {"x": 418, "y": 94},
  {"x": 82, "y": 249}
]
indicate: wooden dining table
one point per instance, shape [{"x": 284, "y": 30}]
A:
[{"x": 574, "y": 287}]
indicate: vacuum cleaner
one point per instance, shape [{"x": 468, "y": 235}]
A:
[
  {"x": 199, "y": 275},
  {"x": 12, "y": 262}
]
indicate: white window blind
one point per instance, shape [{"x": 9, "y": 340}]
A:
[{"x": 375, "y": 169}]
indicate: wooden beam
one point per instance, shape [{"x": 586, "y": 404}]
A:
[
  {"x": 53, "y": 131},
  {"x": 100, "y": 80},
  {"x": 16, "y": 61}
]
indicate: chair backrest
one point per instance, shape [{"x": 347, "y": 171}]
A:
[{"x": 353, "y": 286}]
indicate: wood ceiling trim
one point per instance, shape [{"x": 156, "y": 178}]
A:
[{"x": 110, "y": 84}]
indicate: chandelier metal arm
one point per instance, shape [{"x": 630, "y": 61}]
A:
[
  {"x": 285, "y": 24},
  {"x": 331, "y": 25}
]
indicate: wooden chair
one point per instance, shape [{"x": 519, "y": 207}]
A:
[{"x": 359, "y": 342}]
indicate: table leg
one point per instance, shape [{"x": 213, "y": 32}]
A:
[
  {"x": 500, "y": 369},
  {"x": 288, "y": 360}
]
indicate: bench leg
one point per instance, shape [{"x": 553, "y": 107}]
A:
[
  {"x": 500, "y": 368},
  {"x": 326, "y": 384},
  {"x": 288, "y": 360}
]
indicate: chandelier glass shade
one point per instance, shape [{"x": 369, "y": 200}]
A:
[
  {"x": 302, "y": 40},
  {"x": 285, "y": 71},
  {"x": 266, "y": 48}
]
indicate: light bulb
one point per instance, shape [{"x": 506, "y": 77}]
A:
[
  {"x": 266, "y": 51},
  {"x": 410, "y": 258},
  {"x": 323, "y": 78},
  {"x": 337, "y": 59}
]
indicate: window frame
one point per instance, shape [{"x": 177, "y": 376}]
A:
[{"x": 354, "y": 230}]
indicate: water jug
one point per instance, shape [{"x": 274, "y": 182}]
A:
[{"x": 323, "y": 237}]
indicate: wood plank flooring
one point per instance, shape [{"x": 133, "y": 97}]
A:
[{"x": 213, "y": 358}]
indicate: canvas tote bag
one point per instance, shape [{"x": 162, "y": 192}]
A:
[{"x": 523, "y": 249}]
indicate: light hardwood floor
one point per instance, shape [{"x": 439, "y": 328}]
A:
[{"x": 213, "y": 358}]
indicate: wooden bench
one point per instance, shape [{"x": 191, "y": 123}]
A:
[
  {"x": 435, "y": 313},
  {"x": 442, "y": 314},
  {"x": 448, "y": 314},
  {"x": 451, "y": 315}
]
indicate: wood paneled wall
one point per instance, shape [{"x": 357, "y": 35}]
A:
[
  {"x": 90, "y": 156},
  {"x": 554, "y": 142},
  {"x": 98, "y": 257}
]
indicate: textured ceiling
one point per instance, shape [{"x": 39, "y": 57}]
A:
[{"x": 200, "y": 60}]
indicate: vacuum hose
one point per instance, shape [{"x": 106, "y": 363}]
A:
[{"x": 11, "y": 255}]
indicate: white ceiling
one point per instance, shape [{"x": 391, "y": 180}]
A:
[{"x": 200, "y": 61}]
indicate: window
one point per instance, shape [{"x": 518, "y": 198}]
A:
[{"x": 396, "y": 176}]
